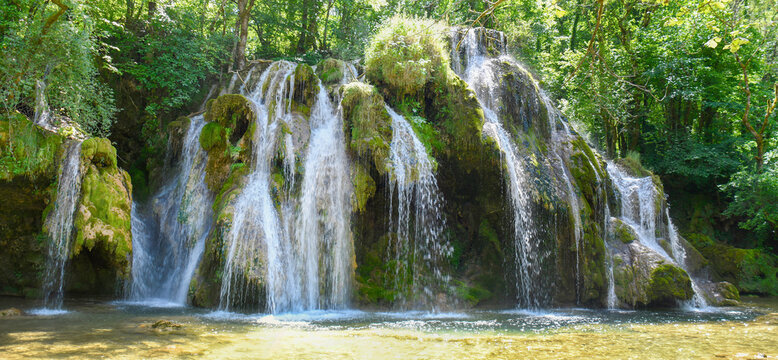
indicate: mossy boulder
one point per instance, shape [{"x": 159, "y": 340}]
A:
[
  {"x": 227, "y": 137},
  {"x": 231, "y": 111},
  {"x": 668, "y": 284},
  {"x": 306, "y": 88},
  {"x": 103, "y": 240},
  {"x": 27, "y": 149},
  {"x": 622, "y": 232},
  {"x": 331, "y": 71},
  {"x": 368, "y": 126},
  {"x": 751, "y": 270},
  {"x": 643, "y": 278},
  {"x": 364, "y": 187}
]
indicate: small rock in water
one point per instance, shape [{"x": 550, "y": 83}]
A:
[
  {"x": 164, "y": 325},
  {"x": 10, "y": 312}
]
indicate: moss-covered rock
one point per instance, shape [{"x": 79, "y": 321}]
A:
[
  {"x": 29, "y": 158},
  {"x": 668, "y": 284},
  {"x": 103, "y": 240},
  {"x": 306, "y": 88},
  {"x": 622, "y": 232},
  {"x": 644, "y": 278},
  {"x": 751, "y": 270},
  {"x": 227, "y": 137},
  {"x": 230, "y": 111},
  {"x": 368, "y": 126},
  {"x": 364, "y": 187},
  {"x": 331, "y": 71},
  {"x": 26, "y": 149}
]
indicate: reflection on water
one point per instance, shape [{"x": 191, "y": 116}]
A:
[{"x": 126, "y": 330}]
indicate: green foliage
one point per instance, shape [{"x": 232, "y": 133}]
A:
[
  {"x": 406, "y": 54},
  {"x": 26, "y": 149},
  {"x": 755, "y": 201},
  {"x": 55, "y": 66},
  {"x": 166, "y": 56}
]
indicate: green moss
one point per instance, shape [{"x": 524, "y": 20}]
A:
[
  {"x": 213, "y": 135},
  {"x": 179, "y": 125},
  {"x": 330, "y": 71},
  {"x": 471, "y": 294},
  {"x": 103, "y": 219},
  {"x": 368, "y": 125},
  {"x": 460, "y": 119},
  {"x": 669, "y": 283},
  {"x": 230, "y": 110},
  {"x": 405, "y": 55},
  {"x": 623, "y": 232},
  {"x": 306, "y": 88},
  {"x": 364, "y": 187},
  {"x": 100, "y": 152},
  {"x": 751, "y": 270},
  {"x": 26, "y": 149}
]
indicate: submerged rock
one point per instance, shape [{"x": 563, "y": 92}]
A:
[{"x": 10, "y": 312}]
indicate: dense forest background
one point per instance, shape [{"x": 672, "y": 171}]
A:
[{"x": 686, "y": 87}]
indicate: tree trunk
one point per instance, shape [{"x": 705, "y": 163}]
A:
[
  {"x": 244, "y": 10},
  {"x": 574, "y": 32},
  {"x": 302, "y": 42}
]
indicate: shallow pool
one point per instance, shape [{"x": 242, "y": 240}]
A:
[{"x": 94, "y": 329}]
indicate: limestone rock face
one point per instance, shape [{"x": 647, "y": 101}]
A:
[{"x": 102, "y": 248}]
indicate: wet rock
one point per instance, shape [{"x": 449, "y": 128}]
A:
[{"x": 10, "y": 312}]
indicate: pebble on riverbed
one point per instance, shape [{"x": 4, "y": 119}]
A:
[
  {"x": 162, "y": 326},
  {"x": 10, "y": 312}
]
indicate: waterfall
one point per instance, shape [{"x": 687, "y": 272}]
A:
[
  {"x": 323, "y": 223},
  {"x": 59, "y": 225},
  {"x": 679, "y": 254},
  {"x": 41, "y": 116},
  {"x": 480, "y": 73},
  {"x": 169, "y": 237},
  {"x": 560, "y": 137},
  {"x": 256, "y": 225},
  {"x": 639, "y": 200},
  {"x": 419, "y": 246},
  {"x": 299, "y": 244}
]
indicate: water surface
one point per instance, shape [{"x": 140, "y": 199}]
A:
[{"x": 94, "y": 329}]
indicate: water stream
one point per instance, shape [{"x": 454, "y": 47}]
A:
[
  {"x": 59, "y": 225},
  {"x": 480, "y": 73},
  {"x": 419, "y": 247},
  {"x": 639, "y": 199},
  {"x": 300, "y": 241},
  {"x": 169, "y": 233}
]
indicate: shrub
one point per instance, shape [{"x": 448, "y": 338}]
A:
[{"x": 406, "y": 54}]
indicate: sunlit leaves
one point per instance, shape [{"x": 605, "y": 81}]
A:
[{"x": 713, "y": 42}]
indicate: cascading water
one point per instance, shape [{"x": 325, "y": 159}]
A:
[
  {"x": 639, "y": 200},
  {"x": 679, "y": 254},
  {"x": 561, "y": 136},
  {"x": 169, "y": 238},
  {"x": 419, "y": 246},
  {"x": 480, "y": 72},
  {"x": 323, "y": 232},
  {"x": 301, "y": 247},
  {"x": 59, "y": 225},
  {"x": 256, "y": 226}
]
